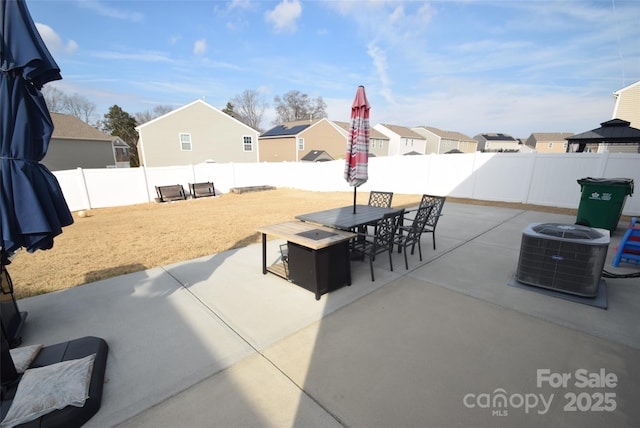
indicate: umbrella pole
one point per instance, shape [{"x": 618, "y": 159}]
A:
[{"x": 354, "y": 199}]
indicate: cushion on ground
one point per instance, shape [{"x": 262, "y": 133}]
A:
[
  {"x": 53, "y": 387},
  {"x": 70, "y": 416},
  {"x": 23, "y": 356}
]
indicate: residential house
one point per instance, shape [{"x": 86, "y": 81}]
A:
[
  {"x": 548, "y": 142},
  {"x": 497, "y": 142},
  {"x": 76, "y": 144},
  {"x": 292, "y": 141},
  {"x": 627, "y": 105},
  {"x": 402, "y": 140},
  {"x": 378, "y": 142},
  {"x": 439, "y": 141},
  {"x": 196, "y": 133}
]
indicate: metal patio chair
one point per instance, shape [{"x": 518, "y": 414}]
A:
[
  {"x": 409, "y": 236},
  {"x": 437, "y": 202},
  {"x": 382, "y": 241}
]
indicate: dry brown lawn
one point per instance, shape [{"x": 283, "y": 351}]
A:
[{"x": 116, "y": 241}]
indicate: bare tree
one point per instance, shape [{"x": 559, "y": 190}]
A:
[
  {"x": 80, "y": 107},
  {"x": 54, "y": 98},
  {"x": 248, "y": 107},
  {"x": 75, "y": 105},
  {"x": 147, "y": 115},
  {"x": 295, "y": 105}
]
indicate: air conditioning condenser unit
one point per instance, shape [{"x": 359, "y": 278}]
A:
[{"x": 563, "y": 257}]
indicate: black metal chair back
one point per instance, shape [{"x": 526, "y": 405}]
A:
[
  {"x": 436, "y": 202},
  {"x": 380, "y": 199},
  {"x": 383, "y": 240},
  {"x": 409, "y": 236}
]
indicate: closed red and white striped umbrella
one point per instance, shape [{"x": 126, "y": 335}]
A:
[{"x": 357, "y": 156}]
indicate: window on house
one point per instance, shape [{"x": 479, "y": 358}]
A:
[
  {"x": 247, "y": 143},
  {"x": 373, "y": 144},
  {"x": 185, "y": 142},
  {"x": 551, "y": 145},
  {"x": 300, "y": 143}
]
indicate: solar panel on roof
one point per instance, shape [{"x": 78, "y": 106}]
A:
[{"x": 281, "y": 130}]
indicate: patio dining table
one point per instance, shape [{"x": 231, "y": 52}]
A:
[{"x": 344, "y": 218}]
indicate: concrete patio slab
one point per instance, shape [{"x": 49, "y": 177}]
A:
[{"x": 214, "y": 342}]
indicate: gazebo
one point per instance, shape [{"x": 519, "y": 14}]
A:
[{"x": 611, "y": 132}]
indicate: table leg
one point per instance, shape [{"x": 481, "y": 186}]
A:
[
  {"x": 264, "y": 253},
  {"x": 347, "y": 260}
]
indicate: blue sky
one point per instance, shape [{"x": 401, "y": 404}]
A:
[{"x": 469, "y": 66}]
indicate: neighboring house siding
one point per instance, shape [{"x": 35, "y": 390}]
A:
[
  {"x": 64, "y": 154},
  {"x": 278, "y": 149},
  {"x": 439, "y": 141},
  {"x": 548, "y": 142},
  {"x": 281, "y": 143},
  {"x": 628, "y": 105},
  {"x": 378, "y": 142},
  {"x": 494, "y": 142},
  {"x": 76, "y": 144},
  {"x": 213, "y": 135},
  {"x": 402, "y": 140},
  {"x": 323, "y": 136}
]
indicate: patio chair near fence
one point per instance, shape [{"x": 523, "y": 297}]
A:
[
  {"x": 199, "y": 190},
  {"x": 174, "y": 192}
]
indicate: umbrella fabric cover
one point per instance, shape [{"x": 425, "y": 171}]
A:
[
  {"x": 357, "y": 156},
  {"x": 32, "y": 206}
]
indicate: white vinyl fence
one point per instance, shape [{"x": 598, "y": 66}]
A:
[{"x": 534, "y": 178}]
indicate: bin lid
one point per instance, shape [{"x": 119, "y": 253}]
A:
[{"x": 627, "y": 182}]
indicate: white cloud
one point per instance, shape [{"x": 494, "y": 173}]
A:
[
  {"x": 200, "y": 47},
  {"x": 284, "y": 16},
  {"x": 54, "y": 42},
  {"x": 380, "y": 64},
  {"x": 111, "y": 12},
  {"x": 136, "y": 56}
]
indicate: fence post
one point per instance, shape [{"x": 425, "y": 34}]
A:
[
  {"x": 528, "y": 177},
  {"x": 145, "y": 180},
  {"x": 84, "y": 189},
  {"x": 602, "y": 165}
]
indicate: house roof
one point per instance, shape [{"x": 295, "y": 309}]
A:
[
  {"x": 496, "y": 137},
  {"x": 70, "y": 127},
  {"x": 317, "y": 155},
  {"x": 449, "y": 135},
  {"x": 551, "y": 136},
  {"x": 373, "y": 133},
  {"x": 403, "y": 131},
  {"x": 198, "y": 101},
  {"x": 616, "y": 93},
  {"x": 289, "y": 129}
]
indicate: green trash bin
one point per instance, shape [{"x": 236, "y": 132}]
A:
[{"x": 602, "y": 201}]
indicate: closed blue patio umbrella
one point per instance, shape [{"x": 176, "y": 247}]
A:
[{"x": 32, "y": 206}]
